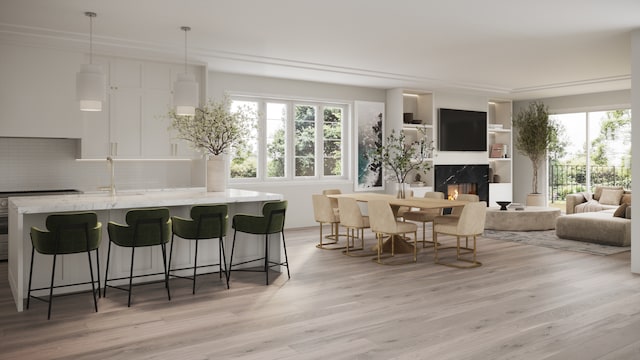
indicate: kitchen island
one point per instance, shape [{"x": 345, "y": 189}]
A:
[{"x": 25, "y": 212}]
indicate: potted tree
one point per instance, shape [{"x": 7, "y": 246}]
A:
[
  {"x": 215, "y": 130},
  {"x": 400, "y": 157},
  {"x": 534, "y": 132}
]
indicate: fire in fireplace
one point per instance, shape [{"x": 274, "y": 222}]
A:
[{"x": 453, "y": 190}]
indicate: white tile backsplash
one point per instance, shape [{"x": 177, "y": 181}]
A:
[{"x": 47, "y": 164}]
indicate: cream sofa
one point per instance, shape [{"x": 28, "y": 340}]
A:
[
  {"x": 590, "y": 217},
  {"x": 587, "y": 202}
]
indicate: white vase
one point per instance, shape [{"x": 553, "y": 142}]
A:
[
  {"x": 217, "y": 173},
  {"x": 403, "y": 190}
]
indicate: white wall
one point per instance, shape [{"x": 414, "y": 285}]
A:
[
  {"x": 298, "y": 193},
  {"x": 635, "y": 150},
  {"x": 522, "y": 169}
]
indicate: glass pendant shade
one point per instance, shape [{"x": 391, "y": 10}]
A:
[
  {"x": 185, "y": 95},
  {"x": 90, "y": 87}
]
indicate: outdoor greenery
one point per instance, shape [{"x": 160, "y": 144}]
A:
[
  {"x": 535, "y": 131},
  {"x": 609, "y": 155}
]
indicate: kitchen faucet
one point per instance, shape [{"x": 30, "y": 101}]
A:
[{"x": 112, "y": 187}]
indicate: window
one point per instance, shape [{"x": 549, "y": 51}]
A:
[
  {"x": 296, "y": 140},
  {"x": 592, "y": 148}
]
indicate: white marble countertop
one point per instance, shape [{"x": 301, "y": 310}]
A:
[{"x": 133, "y": 199}]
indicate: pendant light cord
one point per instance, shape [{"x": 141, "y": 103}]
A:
[
  {"x": 185, "y": 29},
  {"x": 91, "y": 15}
]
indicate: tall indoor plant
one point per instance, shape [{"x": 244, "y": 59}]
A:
[
  {"x": 215, "y": 130},
  {"x": 534, "y": 132},
  {"x": 400, "y": 157}
]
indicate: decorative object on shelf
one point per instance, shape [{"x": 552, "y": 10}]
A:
[
  {"x": 185, "y": 88},
  {"x": 417, "y": 181},
  {"x": 369, "y": 120},
  {"x": 503, "y": 204},
  {"x": 401, "y": 157},
  {"x": 497, "y": 150},
  {"x": 535, "y": 131},
  {"x": 407, "y": 118},
  {"x": 215, "y": 130},
  {"x": 90, "y": 81}
]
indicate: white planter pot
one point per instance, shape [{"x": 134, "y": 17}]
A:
[
  {"x": 535, "y": 200},
  {"x": 217, "y": 173}
]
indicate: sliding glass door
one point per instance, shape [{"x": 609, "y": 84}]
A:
[{"x": 592, "y": 148}]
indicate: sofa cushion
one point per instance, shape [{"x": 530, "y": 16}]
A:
[
  {"x": 596, "y": 227},
  {"x": 621, "y": 211},
  {"x": 611, "y": 196},
  {"x": 626, "y": 198},
  {"x": 598, "y": 191}
]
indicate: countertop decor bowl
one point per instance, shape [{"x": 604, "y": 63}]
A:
[{"x": 503, "y": 204}]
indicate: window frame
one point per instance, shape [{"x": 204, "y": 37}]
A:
[{"x": 290, "y": 103}]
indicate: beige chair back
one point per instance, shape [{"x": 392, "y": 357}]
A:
[
  {"x": 334, "y": 202},
  {"x": 322, "y": 209},
  {"x": 350, "y": 214},
  {"x": 456, "y": 211},
  {"x": 472, "y": 219},
  {"x": 381, "y": 217},
  {"x": 434, "y": 195}
]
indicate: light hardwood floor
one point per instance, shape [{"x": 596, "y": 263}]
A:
[{"x": 525, "y": 302}]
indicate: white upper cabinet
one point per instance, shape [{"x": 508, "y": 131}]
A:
[{"x": 133, "y": 123}]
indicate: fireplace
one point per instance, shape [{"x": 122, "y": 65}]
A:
[{"x": 453, "y": 180}]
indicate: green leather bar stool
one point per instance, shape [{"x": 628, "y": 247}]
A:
[
  {"x": 69, "y": 233},
  {"x": 271, "y": 222},
  {"x": 207, "y": 222},
  {"x": 144, "y": 228}
]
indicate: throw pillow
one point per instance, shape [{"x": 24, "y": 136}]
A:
[
  {"x": 626, "y": 198},
  {"x": 621, "y": 211},
  {"x": 598, "y": 191},
  {"x": 611, "y": 197}
]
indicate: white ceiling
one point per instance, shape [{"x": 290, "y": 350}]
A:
[{"x": 509, "y": 48}]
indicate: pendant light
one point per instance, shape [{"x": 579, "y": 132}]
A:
[
  {"x": 185, "y": 89},
  {"x": 90, "y": 81}
]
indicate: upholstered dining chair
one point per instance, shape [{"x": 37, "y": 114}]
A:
[
  {"x": 354, "y": 222},
  {"x": 324, "y": 213},
  {"x": 270, "y": 222},
  {"x": 456, "y": 211},
  {"x": 425, "y": 215},
  {"x": 470, "y": 223},
  {"x": 383, "y": 222},
  {"x": 68, "y": 233},
  {"x": 207, "y": 222},
  {"x": 144, "y": 228},
  {"x": 403, "y": 209}
]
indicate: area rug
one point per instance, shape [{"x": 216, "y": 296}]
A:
[{"x": 549, "y": 239}]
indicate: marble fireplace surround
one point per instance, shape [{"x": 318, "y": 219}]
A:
[{"x": 461, "y": 174}]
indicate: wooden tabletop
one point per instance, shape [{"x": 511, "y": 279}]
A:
[{"x": 416, "y": 202}]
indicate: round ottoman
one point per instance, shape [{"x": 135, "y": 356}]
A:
[{"x": 531, "y": 218}]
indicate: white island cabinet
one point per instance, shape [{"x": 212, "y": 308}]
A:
[{"x": 25, "y": 212}]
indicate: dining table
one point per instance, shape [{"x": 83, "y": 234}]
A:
[{"x": 398, "y": 243}]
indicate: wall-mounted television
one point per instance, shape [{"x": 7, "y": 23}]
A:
[{"x": 462, "y": 130}]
